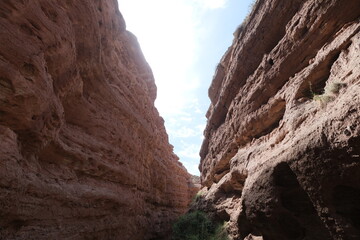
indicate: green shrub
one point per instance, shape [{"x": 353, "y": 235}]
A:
[
  {"x": 328, "y": 94},
  {"x": 197, "y": 226},
  {"x": 220, "y": 233},
  {"x": 333, "y": 88},
  {"x": 197, "y": 196}
]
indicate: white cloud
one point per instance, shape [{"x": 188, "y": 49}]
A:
[
  {"x": 183, "y": 132},
  {"x": 170, "y": 34},
  {"x": 212, "y": 4},
  {"x": 189, "y": 151},
  {"x": 193, "y": 168},
  {"x": 195, "y": 105},
  {"x": 176, "y": 96},
  {"x": 185, "y": 119},
  {"x": 189, "y": 154},
  {"x": 200, "y": 128}
]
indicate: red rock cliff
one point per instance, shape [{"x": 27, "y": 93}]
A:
[
  {"x": 83, "y": 151},
  {"x": 281, "y": 155}
]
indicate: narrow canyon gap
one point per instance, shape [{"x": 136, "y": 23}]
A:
[{"x": 83, "y": 151}]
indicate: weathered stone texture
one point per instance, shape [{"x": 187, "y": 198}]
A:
[
  {"x": 83, "y": 151},
  {"x": 276, "y": 162}
]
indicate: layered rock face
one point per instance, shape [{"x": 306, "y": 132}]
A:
[
  {"x": 281, "y": 155},
  {"x": 83, "y": 151}
]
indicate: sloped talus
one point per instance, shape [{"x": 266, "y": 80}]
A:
[
  {"x": 281, "y": 155},
  {"x": 83, "y": 151}
]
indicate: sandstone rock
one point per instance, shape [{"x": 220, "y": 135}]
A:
[
  {"x": 251, "y": 237},
  {"x": 275, "y": 162},
  {"x": 195, "y": 184},
  {"x": 83, "y": 151}
]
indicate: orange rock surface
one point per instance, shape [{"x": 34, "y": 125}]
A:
[
  {"x": 83, "y": 151},
  {"x": 281, "y": 155}
]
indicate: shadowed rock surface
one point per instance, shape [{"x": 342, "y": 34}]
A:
[
  {"x": 277, "y": 162},
  {"x": 83, "y": 151}
]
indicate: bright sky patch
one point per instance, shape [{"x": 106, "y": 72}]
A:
[{"x": 183, "y": 40}]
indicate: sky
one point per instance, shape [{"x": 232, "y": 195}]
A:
[{"x": 183, "y": 41}]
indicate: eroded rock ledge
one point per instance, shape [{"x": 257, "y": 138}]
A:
[
  {"x": 276, "y": 162},
  {"x": 83, "y": 151}
]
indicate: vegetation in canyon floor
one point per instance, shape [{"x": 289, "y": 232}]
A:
[
  {"x": 198, "y": 226},
  {"x": 197, "y": 196}
]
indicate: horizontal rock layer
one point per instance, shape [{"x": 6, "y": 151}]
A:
[
  {"x": 281, "y": 155},
  {"x": 83, "y": 151}
]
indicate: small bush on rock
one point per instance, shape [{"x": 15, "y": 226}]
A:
[
  {"x": 197, "y": 226},
  {"x": 328, "y": 94}
]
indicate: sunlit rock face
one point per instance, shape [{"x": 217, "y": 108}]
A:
[
  {"x": 83, "y": 151},
  {"x": 281, "y": 155}
]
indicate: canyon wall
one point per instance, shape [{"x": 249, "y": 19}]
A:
[
  {"x": 83, "y": 151},
  {"x": 281, "y": 155}
]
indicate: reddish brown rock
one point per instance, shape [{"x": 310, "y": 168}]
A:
[
  {"x": 277, "y": 162},
  {"x": 83, "y": 151}
]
